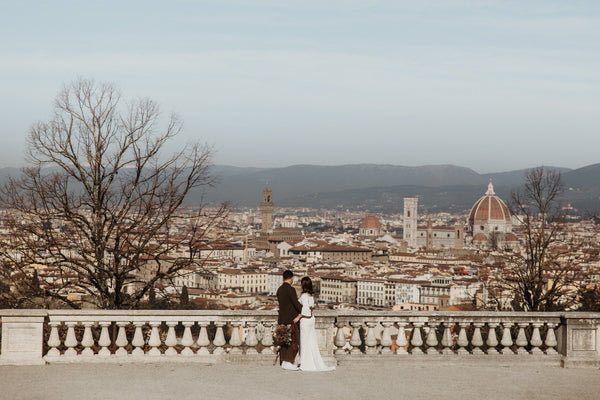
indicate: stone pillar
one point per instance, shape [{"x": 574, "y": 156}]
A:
[
  {"x": 580, "y": 339},
  {"x": 340, "y": 338},
  {"x": 121, "y": 341},
  {"x": 324, "y": 326},
  {"x": 447, "y": 339},
  {"x": 355, "y": 340},
  {"x": 431, "y": 341},
  {"x": 536, "y": 338},
  {"x": 386, "y": 338},
  {"x": 416, "y": 339},
  {"x": 370, "y": 339},
  {"x": 138, "y": 341},
  {"x": 251, "y": 339},
  {"x": 401, "y": 341},
  {"x": 463, "y": 340},
  {"x": 22, "y": 337},
  {"x": 477, "y": 340},
  {"x": 492, "y": 339},
  {"x": 235, "y": 341},
  {"x": 171, "y": 340},
  {"x": 187, "y": 340}
]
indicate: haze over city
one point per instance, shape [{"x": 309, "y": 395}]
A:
[{"x": 492, "y": 86}]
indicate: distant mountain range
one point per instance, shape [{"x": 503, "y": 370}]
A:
[{"x": 380, "y": 188}]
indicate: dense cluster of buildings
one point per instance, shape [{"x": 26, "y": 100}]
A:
[{"x": 403, "y": 262}]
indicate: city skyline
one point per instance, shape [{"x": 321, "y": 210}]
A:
[{"x": 486, "y": 85}]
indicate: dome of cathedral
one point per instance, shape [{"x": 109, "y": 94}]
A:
[
  {"x": 370, "y": 222},
  {"x": 480, "y": 237},
  {"x": 489, "y": 207}
]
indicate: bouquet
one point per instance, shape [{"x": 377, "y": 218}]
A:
[{"x": 283, "y": 336}]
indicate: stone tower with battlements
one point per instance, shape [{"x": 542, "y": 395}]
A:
[{"x": 266, "y": 210}]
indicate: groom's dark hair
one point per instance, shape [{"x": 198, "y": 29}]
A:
[{"x": 287, "y": 274}]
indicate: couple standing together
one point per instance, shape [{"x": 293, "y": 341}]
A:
[{"x": 292, "y": 310}]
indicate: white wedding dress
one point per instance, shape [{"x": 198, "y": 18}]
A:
[{"x": 309, "y": 356}]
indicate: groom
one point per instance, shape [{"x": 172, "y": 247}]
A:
[{"x": 289, "y": 313}]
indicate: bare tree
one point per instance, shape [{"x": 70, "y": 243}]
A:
[
  {"x": 96, "y": 209},
  {"x": 541, "y": 276}
]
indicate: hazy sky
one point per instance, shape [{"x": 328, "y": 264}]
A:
[{"x": 490, "y": 85}]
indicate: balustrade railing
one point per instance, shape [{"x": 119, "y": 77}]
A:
[
  {"x": 446, "y": 334},
  {"x": 206, "y": 336},
  {"x": 73, "y": 336}
]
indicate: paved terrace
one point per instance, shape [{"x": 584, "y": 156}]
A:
[{"x": 368, "y": 380}]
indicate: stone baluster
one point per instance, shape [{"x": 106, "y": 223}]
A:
[
  {"x": 401, "y": 341},
  {"x": 104, "y": 340},
  {"x": 70, "y": 340},
  {"x": 386, "y": 338},
  {"x": 447, "y": 341},
  {"x": 267, "y": 339},
  {"x": 416, "y": 339},
  {"x": 154, "y": 342},
  {"x": 492, "y": 339},
  {"x": 235, "y": 341},
  {"x": 138, "y": 340},
  {"x": 506, "y": 341},
  {"x": 432, "y": 340},
  {"x": 340, "y": 338},
  {"x": 219, "y": 340},
  {"x": 203, "y": 341},
  {"x": 477, "y": 340},
  {"x": 371, "y": 340},
  {"x": 463, "y": 340},
  {"x": 54, "y": 340},
  {"x": 122, "y": 341},
  {"x": 536, "y": 339},
  {"x": 171, "y": 340},
  {"x": 87, "y": 341},
  {"x": 251, "y": 339},
  {"x": 550, "y": 341},
  {"x": 355, "y": 340},
  {"x": 521, "y": 341},
  {"x": 187, "y": 341}
]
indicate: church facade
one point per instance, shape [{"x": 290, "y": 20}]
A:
[{"x": 429, "y": 237}]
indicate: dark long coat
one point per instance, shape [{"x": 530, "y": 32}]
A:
[{"x": 289, "y": 308}]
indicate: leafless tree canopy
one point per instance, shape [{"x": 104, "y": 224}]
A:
[
  {"x": 541, "y": 276},
  {"x": 96, "y": 205}
]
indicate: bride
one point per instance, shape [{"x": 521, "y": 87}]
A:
[{"x": 310, "y": 357}]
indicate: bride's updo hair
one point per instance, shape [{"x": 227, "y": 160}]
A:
[{"x": 306, "y": 284}]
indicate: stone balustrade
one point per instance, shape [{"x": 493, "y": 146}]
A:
[{"x": 81, "y": 336}]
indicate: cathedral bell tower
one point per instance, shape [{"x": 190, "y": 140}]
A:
[
  {"x": 410, "y": 221},
  {"x": 266, "y": 210}
]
